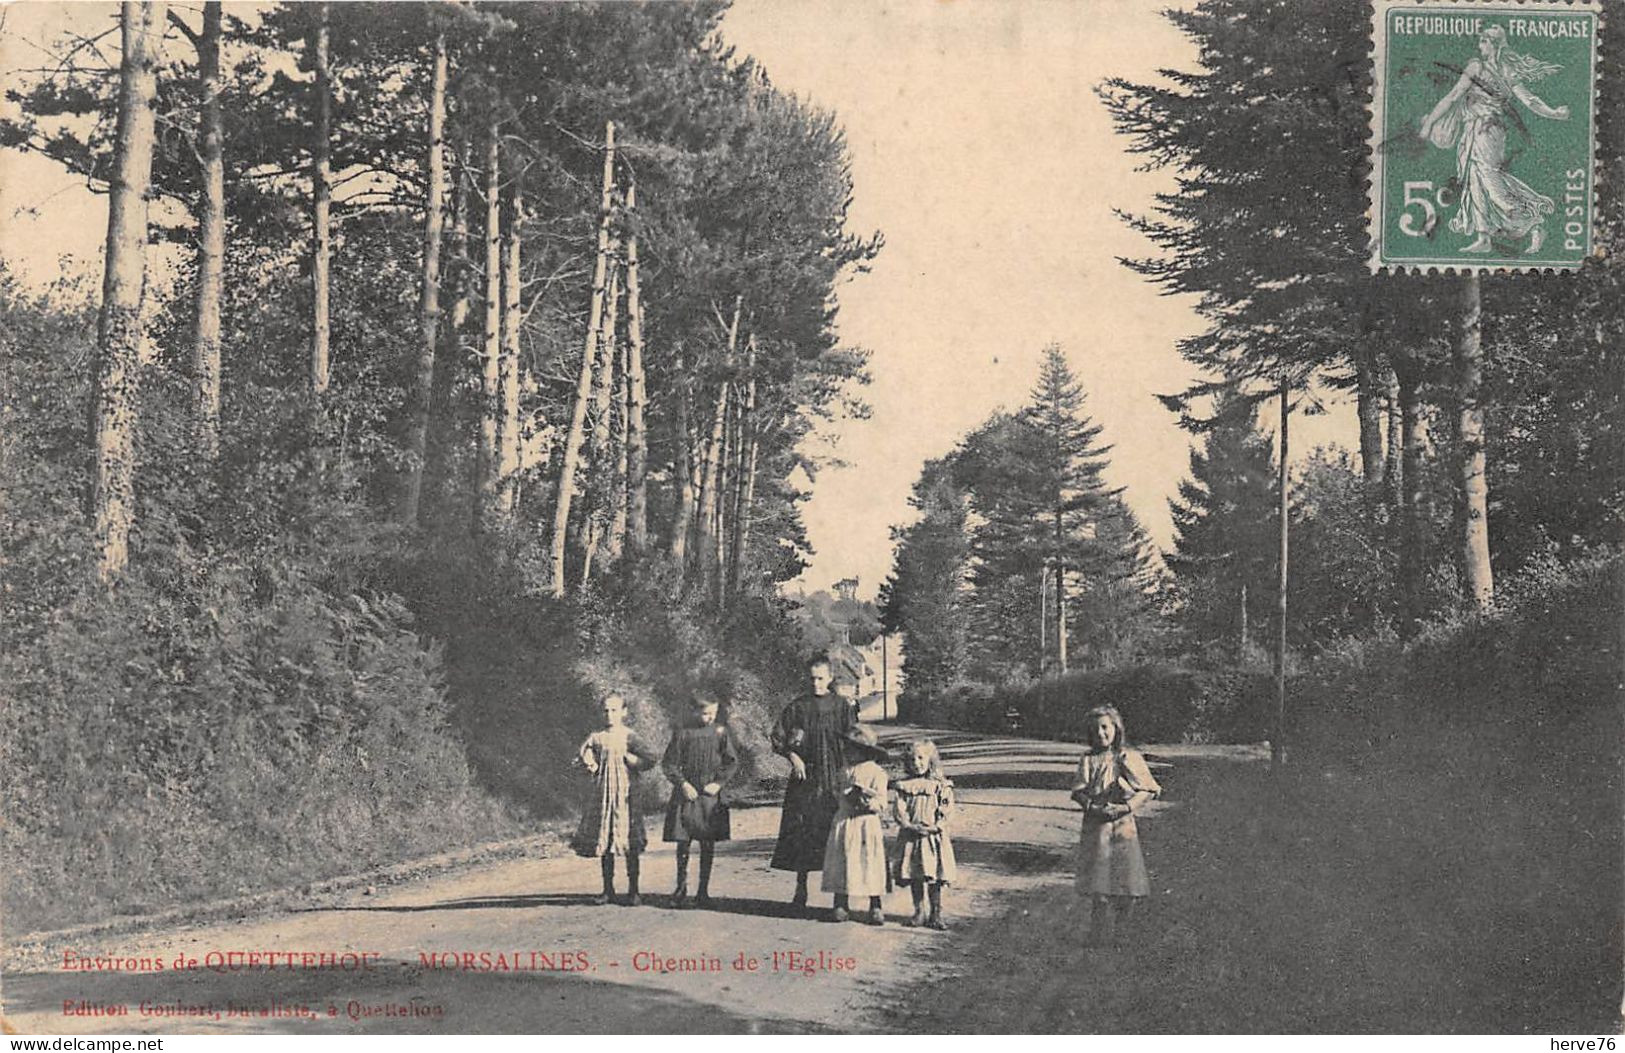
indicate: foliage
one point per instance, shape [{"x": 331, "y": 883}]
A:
[
  {"x": 824, "y": 621},
  {"x": 1547, "y": 657},
  {"x": 254, "y": 710},
  {"x": 1267, "y": 140},
  {"x": 924, "y": 598},
  {"x": 1225, "y": 533},
  {"x": 1159, "y": 703},
  {"x": 1021, "y": 501}
]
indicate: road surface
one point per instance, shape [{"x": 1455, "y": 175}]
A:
[{"x": 517, "y": 946}]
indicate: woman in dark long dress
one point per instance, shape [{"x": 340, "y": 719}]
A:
[
  {"x": 809, "y": 734},
  {"x": 699, "y": 761}
]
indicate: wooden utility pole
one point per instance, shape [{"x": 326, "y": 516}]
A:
[
  {"x": 1278, "y": 737},
  {"x": 1060, "y": 600},
  {"x": 578, "y": 415}
]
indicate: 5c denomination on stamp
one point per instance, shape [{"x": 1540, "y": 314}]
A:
[{"x": 1483, "y": 129}]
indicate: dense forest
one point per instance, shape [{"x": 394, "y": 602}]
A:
[{"x": 492, "y": 338}]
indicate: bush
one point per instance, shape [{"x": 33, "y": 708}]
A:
[
  {"x": 1159, "y": 703},
  {"x": 241, "y": 712},
  {"x": 1547, "y": 656},
  {"x": 157, "y": 750},
  {"x": 967, "y": 706}
]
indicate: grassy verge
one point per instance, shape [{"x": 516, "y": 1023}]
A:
[{"x": 1442, "y": 855}]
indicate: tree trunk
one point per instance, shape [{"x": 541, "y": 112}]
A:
[
  {"x": 747, "y": 473},
  {"x": 637, "y": 440},
  {"x": 1474, "y": 483},
  {"x": 615, "y": 542},
  {"x": 578, "y": 415},
  {"x": 211, "y": 242},
  {"x": 727, "y": 498},
  {"x": 1368, "y": 400},
  {"x": 600, "y": 485},
  {"x": 488, "y": 509},
  {"x": 449, "y": 362},
  {"x": 706, "y": 538},
  {"x": 422, "y": 393},
  {"x": 1241, "y": 636},
  {"x": 683, "y": 475},
  {"x": 507, "y": 474},
  {"x": 1412, "y": 529},
  {"x": 124, "y": 278},
  {"x": 1393, "y": 470},
  {"x": 706, "y": 533},
  {"x": 321, "y": 197}
]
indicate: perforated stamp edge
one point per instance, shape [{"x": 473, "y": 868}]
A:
[{"x": 1375, "y": 102}]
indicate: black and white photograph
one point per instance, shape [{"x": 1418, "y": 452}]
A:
[{"x": 784, "y": 517}]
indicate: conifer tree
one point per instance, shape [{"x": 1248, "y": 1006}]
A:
[
  {"x": 925, "y": 597},
  {"x": 1225, "y": 531}
]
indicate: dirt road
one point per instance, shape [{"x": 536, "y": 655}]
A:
[{"x": 517, "y": 947}]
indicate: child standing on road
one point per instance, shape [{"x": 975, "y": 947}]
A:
[
  {"x": 925, "y": 855},
  {"x": 699, "y": 761},
  {"x": 855, "y": 854},
  {"x": 1113, "y": 782},
  {"x": 610, "y": 823}
]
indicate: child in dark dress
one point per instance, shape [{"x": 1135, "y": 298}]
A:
[{"x": 699, "y": 762}]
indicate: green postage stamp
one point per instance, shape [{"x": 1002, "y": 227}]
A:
[{"x": 1483, "y": 123}]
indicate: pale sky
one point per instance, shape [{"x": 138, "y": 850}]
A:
[{"x": 981, "y": 152}]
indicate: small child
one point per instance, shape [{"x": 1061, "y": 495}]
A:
[
  {"x": 1113, "y": 782},
  {"x": 610, "y": 823},
  {"x": 855, "y": 854},
  {"x": 699, "y": 761},
  {"x": 925, "y": 855}
]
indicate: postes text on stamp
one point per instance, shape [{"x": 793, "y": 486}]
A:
[{"x": 1482, "y": 134}]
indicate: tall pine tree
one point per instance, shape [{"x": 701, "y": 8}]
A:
[
  {"x": 1223, "y": 560},
  {"x": 925, "y": 598}
]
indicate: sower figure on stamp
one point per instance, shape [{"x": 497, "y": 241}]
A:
[
  {"x": 1473, "y": 119},
  {"x": 700, "y": 760},
  {"x": 809, "y": 734},
  {"x": 610, "y": 822},
  {"x": 1113, "y": 782}
]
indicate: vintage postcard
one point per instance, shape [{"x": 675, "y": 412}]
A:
[{"x": 837, "y": 517}]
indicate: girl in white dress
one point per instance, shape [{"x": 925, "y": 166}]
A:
[{"x": 855, "y": 853}]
